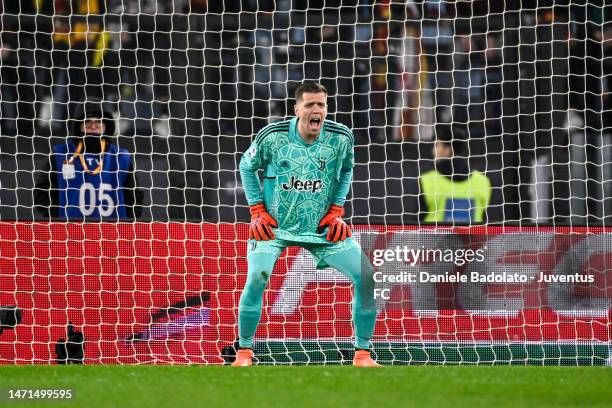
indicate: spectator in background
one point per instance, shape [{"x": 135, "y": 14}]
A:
[
  {"x": 607, "y": 78},
  {"x": 589, "y": 64},
  {"x": 413, "y": 114},
  {"x": 437, "y": 46},
  {"x": 88, "y": 177},
  {"x": 451, "y": 193},
  {"x": 386, "y": 63},
  {"x": 9, "y": 80},
  {"x": 18, "y": 79},
  {"x": 493, "y": 88},
  {"x": 469, "y": 79},
  {"x": 79, "y": 43}
]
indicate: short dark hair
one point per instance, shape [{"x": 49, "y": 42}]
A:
[
  {"x": 309, "y": 87},
  {"x": 453, "y": 137}
]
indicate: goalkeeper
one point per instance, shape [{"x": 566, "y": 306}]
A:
[{"x": 307, "y": 167}]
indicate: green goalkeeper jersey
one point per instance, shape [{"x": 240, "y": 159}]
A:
[{"x": 300, "y": 180}]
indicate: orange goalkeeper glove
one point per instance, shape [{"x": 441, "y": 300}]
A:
[
  {"x": 261, "y": 223},
  {"x": 338, "y": 230}
]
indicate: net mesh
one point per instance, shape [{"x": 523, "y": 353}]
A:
[{"x": 189, "y": 84}]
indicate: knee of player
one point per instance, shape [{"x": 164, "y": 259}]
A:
[
  {"x": 258, "y": 279},
  {"x": 362, "y": 277},
  {"x": 364, "y": 287},
  {"x": 366, "y": 274}
]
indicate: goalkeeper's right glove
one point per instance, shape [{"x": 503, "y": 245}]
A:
[{"x": 261, "y": 223}]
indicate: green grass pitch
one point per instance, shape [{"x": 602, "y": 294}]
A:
[{"x": 318, "y": 386}]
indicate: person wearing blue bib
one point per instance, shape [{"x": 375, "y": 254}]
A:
[
  {"x": 451, "y": 193},
  {"x": 88, "y": 177}
]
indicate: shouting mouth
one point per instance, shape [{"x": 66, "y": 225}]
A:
[{"x": 315, "y": 124}]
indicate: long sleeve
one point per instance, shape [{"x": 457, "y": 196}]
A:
[
  {"x": 346, "y": 177},
  {"x": 132, "y": 195},
  {"x": 46, "y": 193},
  {"x": 343, "y": 188},
  {"x": 250, "y": 163}
]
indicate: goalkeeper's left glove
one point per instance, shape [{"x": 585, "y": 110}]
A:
[{"x": 338, "y": 230}]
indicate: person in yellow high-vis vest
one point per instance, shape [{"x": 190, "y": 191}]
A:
[{"x": 451, "y": 193}]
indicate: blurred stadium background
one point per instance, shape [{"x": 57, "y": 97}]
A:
[{"x": 530, "y": 79}]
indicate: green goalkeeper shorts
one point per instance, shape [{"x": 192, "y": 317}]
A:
[{"x": 275, "y": 247}]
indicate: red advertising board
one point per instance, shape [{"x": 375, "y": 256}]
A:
[{"x": 168, "y": 292}]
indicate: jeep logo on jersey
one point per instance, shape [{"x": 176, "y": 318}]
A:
[{"x": 301, "y": 185}]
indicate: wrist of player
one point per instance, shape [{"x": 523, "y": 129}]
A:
[
  {"x": 338, "y": 230},
  {"x": 262, "y": 223}
]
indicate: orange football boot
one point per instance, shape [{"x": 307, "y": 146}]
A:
[
  {"x": 363, "y": 359},
  {"x": 244, "y": 358}
]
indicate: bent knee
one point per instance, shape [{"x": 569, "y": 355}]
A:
[{"x": 258, "y": 280}]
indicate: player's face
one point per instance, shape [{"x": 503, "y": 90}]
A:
[
  {"x": 93, "y": 127},
  {"x": 311, "y": 111},
  {"x": 441, "y": 151}
]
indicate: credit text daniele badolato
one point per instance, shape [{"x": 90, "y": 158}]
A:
[{"x": 417, "y": 257}]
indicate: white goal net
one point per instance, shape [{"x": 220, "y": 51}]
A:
[{"x": 135, "y": 251}]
